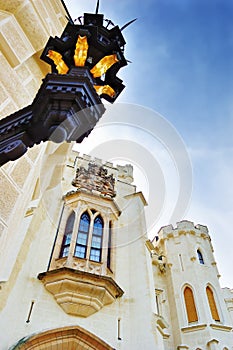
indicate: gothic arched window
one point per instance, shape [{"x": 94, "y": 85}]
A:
[
  {"x": 82, "y": 238},
  {"x": 190, "y": 305},
  {"x": 200, "y": 257},
  {"x": 96, "y": 242},
  {"x": 67, "y": 236},
  {"x": 212, "y": 304}
]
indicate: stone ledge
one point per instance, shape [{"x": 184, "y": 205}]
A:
[
  {"x": 193, "y": 328},
  {"x": 221, "y": 327},
  {"x": 162, "y": 326},
  {"x": 80, "y": 293}
]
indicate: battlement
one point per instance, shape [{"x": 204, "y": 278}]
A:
[{"x": 184, "y": 227}]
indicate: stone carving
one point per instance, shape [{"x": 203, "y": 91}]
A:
[
  {"x": 160, "y": 261},
  {"x": 95, "y": 178}
]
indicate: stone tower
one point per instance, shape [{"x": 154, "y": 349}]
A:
[{"x": 188, "y": 292}]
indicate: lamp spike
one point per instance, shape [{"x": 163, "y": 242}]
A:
[
  {"x": 127, "y": 24},
  {"x": 97, "y": 7},
  {"x": 67, "y": 12}
]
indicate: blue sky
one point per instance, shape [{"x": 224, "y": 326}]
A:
[{"x": 182, "y": 67}]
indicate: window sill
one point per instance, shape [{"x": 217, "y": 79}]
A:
[
  {"x": 85, "y": 259},
  {"x": 63, "y": 258},
  {"x": 193, "y": 328},
  {"x": 221, "y": 327}
]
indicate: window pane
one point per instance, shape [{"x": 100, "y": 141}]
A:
[
  {"x": 65, "y": 252},
  {"x": 70, "y": 223},
  {"x": 84, "y": 226},
  {"x": 96, "y": 242},
  {"x": 67, "y": 236},
  {"x": 81, "y": 243},
  {"x": 98, "y": 226},
  {"x": 84, "y": 223},
  {"x": 80, "y": 251},
  {"x": 82, "y": 238},
  {"x": 95, "y": 255},
  {"x": 67, "y": 239},
  {"x": 200, "y": 257}
]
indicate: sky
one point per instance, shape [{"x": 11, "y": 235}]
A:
[{"x": 182, "y": 69}]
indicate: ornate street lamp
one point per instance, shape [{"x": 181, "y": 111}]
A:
[{"x": 84, "y": 62}]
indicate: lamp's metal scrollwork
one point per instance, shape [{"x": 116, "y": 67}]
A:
[{"x": 84, "y": 62}]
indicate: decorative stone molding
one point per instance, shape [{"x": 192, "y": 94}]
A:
[
  {"x": 80, "y": 293},
  {"x": 193, "y": 328},
  {"x": 213, "y": 344},
  {"x": 72, "y": 337},
  {"x": 162, "y": 326},
  {"x": 94, "y": 198},
  {"x": 95, "y": 178},
  {"x": 160, "y": 262},
  {"x": 221, "y": 327}
]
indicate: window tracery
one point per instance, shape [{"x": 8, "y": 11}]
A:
[
  {"x": 82, "y": 237},
  {"x": 88, "y": 237},
  {"x": 97, "y": 236}
]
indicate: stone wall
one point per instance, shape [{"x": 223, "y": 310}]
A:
[{"x": 25, "y": 27}]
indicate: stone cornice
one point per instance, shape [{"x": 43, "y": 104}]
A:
[
  {"x": 91, "y": 197},
  {"x": 137, "y": 194}
]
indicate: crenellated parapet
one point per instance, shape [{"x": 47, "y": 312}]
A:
[{"x": 184, "y": 227}]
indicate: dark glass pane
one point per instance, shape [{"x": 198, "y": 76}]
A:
[
  {"x": 67, "y": 235},
  {"x": 200, "y": 257},
  {"x": 109, "y": 245},
  {"x": 70, "y": 223}
]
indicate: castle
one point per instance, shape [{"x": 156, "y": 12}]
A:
[{"x": 77, "y": 268}]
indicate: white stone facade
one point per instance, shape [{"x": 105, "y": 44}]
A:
[{"x": 133, "y": 297}]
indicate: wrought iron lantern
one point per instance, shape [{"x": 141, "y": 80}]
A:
[{"x": 84, "y": 64}]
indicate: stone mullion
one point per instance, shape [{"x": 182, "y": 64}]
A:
[
  {"x": 78, "y": 212},
  {"x": 105, "y": 243}
]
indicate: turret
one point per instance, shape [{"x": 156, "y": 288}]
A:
[{"x": 184, "y": 263}]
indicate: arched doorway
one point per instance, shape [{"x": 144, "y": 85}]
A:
[{"x": 74, "y": 337}]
